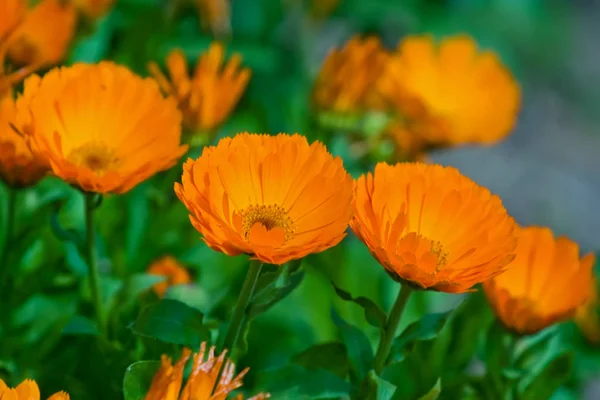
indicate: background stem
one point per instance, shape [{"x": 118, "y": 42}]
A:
[
  {"x": 90, "y": 247},
  {"x": 8, "y": 235}
]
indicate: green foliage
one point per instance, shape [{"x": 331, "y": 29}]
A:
[{"x": 138, "y": 377}]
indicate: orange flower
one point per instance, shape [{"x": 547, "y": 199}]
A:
[
  {"x": 100, "y": 127},
  {"x": 204, "y": 382},
  {"x": 450, "y": 94},
  {"x": 587, "y": 316},
  {"x": 175, "y": 272},
  {"x": 545, "y": 284},
  {"x": 12, "y": 12},
  {"x": 18, "y": 166},
  {"x": 94, "y": 8},
  {"x": 215, "y": 15},
  {"x": 432, "y": 227},
  {"x": 210, "y": 95},
  {"x": 27, "y": 390},
  {"x": 276, "y": 198},
  {"x": 345, "y": 83}
]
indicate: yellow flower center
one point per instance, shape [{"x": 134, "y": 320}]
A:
[
  {"x": 95, "y": 156},
  {"x": 442, "y": 256},
  {"x": 267, "y": 225}
]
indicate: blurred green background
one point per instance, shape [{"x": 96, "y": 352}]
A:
[{"x": 547, "y": 172}]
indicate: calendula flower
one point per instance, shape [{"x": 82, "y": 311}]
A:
[
  {"x": 175, "y": 273},
  {"x": 348, "y": 76},
  {"x": 432, "y": 227},
  {"x": 206, "y": 380},
  {"x": 209, "y": 96},
  {"x": 27, "y": 390},
  {"x": 19, "y": 167},
  {"x": 215, "y": 15},
  {"x": 100, "y": 127},
  {"x": 587, "y": 316},
  {"x": 451, "y": 93},
  {"x": 544, "y": 285},
  {"x": 11, "y": 12},
  {"x": 94, "y": 8},
  {"x": 276, "y": 198}
]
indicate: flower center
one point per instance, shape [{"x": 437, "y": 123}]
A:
[
  {"x": 442, "y": 256},
  {"x": 95, "y": 156},
  {"x": 266, "y": 225}
]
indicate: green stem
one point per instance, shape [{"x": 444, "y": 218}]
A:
[
  {"x": 8, "y": 236},
  {"x": 391, "y": 326},
  {"x": 239, "y": 311},
  {"x": 90, "y": 247}
]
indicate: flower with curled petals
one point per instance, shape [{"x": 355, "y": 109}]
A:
[
  {"x": 99, "y": 126},
  {"x": 545, "y": 284},
  {"x": 432, "y": 227},
  {"x": 19, "y": 167},
  {"x": 276, "y": 198},
  {"x": 27, "y": 390},
  {"x": 175, "y": 273},
  {"x": 205, "y": 382},
  {"x": 449, "y": 93}
]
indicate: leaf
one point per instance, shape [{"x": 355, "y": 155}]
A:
[
  {"x": 80, "y": 325},
  {"x": 358, "y": 345},
  {"x": 377, "y": 388},
  {"x": 272, "y": 296},
  {"x": 543, "y": 384},
  {"x": 331, "y": 356},
  {"x": 373, "y": 313},
  {"x": 193, "y": 295},
  {"x": 435, "y": 391},
  {"x": 138, "y": 378},
  {"x": 138, "y": 218},
  {"x": 171, "y": 321},
  {"x": 496, "y": 355},
  {"x": 296, "y": 382},
  {"x": 426, "y": 328}
]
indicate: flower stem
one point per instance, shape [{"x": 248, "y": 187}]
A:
[
  {"x": 90, "y": 247},
  {"x": 239, "y": 311},
  {"x": 8, "y": 235},
  {"x": 391, "y": 326}
]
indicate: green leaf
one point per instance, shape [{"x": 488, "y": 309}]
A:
[
  {"x": 544, "y": 383},
  {"x": 171, "y": 321},
  {"x": 296, "y": 382},
  {"x": 435, "y": 391},
  {"x": 426, "y": 328},
  {"x": 138, "y": 378},
  {"x": 358, "y": 345},
  {"x": 193, "y": 295},
  {"x": 496, "y": 355},
  {"x": 331, "y": 356},
  {"x": 376, "y": 388},
  {"x": 138, "y": 218},
  {"x": 80, "y": 325},
  {"x": 280, "y": 290},
  {"x": 373, "y": 313}
]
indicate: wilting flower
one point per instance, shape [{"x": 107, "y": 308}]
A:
[
  {"x": 27, "y": 390},
  {"x": 215, "y": 15},
  {"x": 101, "y": 128},
  {"x": 545, "y": 284},
  {"x": 450, "y": 94},
  {"x": 206, "y": 381},
  {"x": 209, "y": 96},
  {"x": 175, "y": 273},
  {"x": 432, "y": 227},
  {"x": 346, "y": 81},
  {"x": 587, "y": 316},
  {"x": 94, "y": 8},
  {"x": 18, "y": 166},
  {"x": 276, "y": 198}
]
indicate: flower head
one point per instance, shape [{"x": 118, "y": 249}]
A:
[
  {"x": 432, "y": 227},
  {"x": 450, "y": 93},
  {"x": 27, "y": 390},
  {"x": 101, "y": 128},
  {"x": 206, "y": 381},
  {"x": 11, "y": 12},
  {"x": 347, "y": 78},
  {"x": 276, "y": 198},
  {"x": 545, "y": 284},
  {"x": 587, "y": 316},
  {"x": 94, "y": 8},
  {"x": 209, "y": 96},
  {"x": 18, "y": 166},
  {"x": 175, "y": 273}
]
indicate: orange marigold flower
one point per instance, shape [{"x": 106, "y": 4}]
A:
[
  {"x": 347, "y": 78},
  {"x": 206, "y": 381},
  {"x": 209, "y": 96},
  {"x": 587, "y": 316},
  {"x": 176, "y": 274},
  {"x": 276, "y": 198},
  {"x": 18, "y": 166},
  {"x": 450, "y": 93},
  {"x": 215, "y": 15},
  {"x": 432, "y": 227},
  {"x": 544, "y": 285},
  {"x": 42, "y": 38},
  {"x": 101, "y": 128},
  {"x": 27, "y": 390},
  {"x": 11, "y": 13},
  {"x": 94, "y": 8}
]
